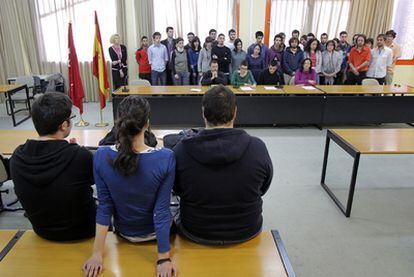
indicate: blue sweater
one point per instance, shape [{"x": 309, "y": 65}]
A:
[
  {"x": 193, "y": 55},
  {"x": 140, "y": 203},
  {"x": 291, "y": 62}
]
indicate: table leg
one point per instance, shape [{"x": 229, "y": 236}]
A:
[
  {"x": 282, "y": 253},
  {"x": 9, "y": 95}
]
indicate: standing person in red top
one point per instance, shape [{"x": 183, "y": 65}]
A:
[
  {"x": 142, "y": 59},
  {"x": 359, "y": 58}
]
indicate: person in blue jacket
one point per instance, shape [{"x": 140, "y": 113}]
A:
[
  {"x": 193, "y": 53},
  {"x": 292, "y": 59}
]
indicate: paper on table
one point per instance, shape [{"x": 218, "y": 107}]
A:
[
  {"x": 195, "y": 89},
  {"x": 308, "y": 87},
  {"x": 271, "y": 88},
  {"x": 246, "y": 88}
]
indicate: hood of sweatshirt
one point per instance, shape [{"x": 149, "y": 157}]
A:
[
  {"x": 217, "y": 146},
  {"x": 41, "y": 162}
]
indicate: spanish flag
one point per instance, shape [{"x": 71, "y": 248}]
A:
[{"x": 99, "y": 67}]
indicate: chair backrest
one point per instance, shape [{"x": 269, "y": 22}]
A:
[
  {"x": 4, "y": 175},
  {"x": 292, "y": 80},
  {"x": 140, "y": 82},
  {"x": 25, "y": 80},
  {"x": 371, "y": 82},
  {"x": 201, "y": 79}
]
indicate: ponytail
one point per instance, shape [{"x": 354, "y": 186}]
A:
[{"x": 133, "y": 114}]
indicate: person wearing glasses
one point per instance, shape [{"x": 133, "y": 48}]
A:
[{"x": 52, "y": 176}]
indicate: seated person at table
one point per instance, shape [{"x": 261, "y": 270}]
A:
[
  {"x": 271, "y": 76},
  {"x": 134, "y": 185},
  {"x": 243, "y": 76},
  {"x": 305, "y": 75},
  {"x": 52, "y": 177},
  {"x": 221, "y": 175},
  {"x": 213, "y": 76}
]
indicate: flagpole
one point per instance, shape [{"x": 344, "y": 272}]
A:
[
  {"x": 101, "y": 123},
  {"x": 82, "y": 123}
]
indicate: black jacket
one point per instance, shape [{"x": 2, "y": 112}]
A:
[
  {"x": 221, "y": 176},
  {"x": 265, "y": 78},
  {"x": 223, "y": 57},
  {"x": 114, "y": 57},
  {"x": 53, "y": 179},
  {"x": 207, "y": 81}
]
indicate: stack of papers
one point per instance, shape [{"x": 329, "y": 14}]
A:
[
  {"x": 271, "y": 88},
  {"x": 308, "y": 87},
  {"x": 195, "y": 89},
  {"x": 246, "y": 89}
]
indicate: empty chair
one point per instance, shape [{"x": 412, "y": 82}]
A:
[
  {"x": 370, "y": 82},
  {"x": 140, "y": 82}
]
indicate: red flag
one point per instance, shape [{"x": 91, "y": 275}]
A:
[
  {"x": 99, "y": 66},
  {"x": 76, "y": 92}
]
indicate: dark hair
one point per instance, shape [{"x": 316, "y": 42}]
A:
[
  {"x": 231, "y": 31},
  {"x": 305, "y": 37},
  {"x": 190, "y": 33},
  {"x": 324, "y": 34},
  {"x": 259, "y": 34},
  {"x": 370, "y": 40},
  {"x": 278, "y": 36},
  {"x": 133, "y": 114},
  {"x": 196, "y": 38},
  {"x": 303, "y": 62},
  {"x": 309, "y": 43},
  {"x": 260, "y": 47},
  {"x": 273, "y": 63},
  {"x": 207, "y": 40},
  {"x": 169, "y": 28},
  {"x": 219, "y": 105},
  {"x": 295, "y": 32},
  {"x": 213, "y": 61},
  {"x": 211, "y": 31},
  {"x": 156, "y": 34},
  {"x": 391, "y": 33},
  {"x": 343, "y": 33},
  {"x": 337, "y": 41},
  {"x": 310, "y": 35},
  {"x": 282, "y": 34},
  {"x": 221, "y": 35},
  {"x": 177, "y": 40},
  {"x": 49, "y": 111},
  {"x": 291, "y": 40},
  {"x": 362, "y": 36},
  {"x": 331, "y": 42},
  {"x": 144, "y": 37},
  {"x": 244, "y": 63},
  {"x": 383, "y": 36},
  {"x": 237, "y": 41}
]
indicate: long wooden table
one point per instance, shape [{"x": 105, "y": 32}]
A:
[
  {"x": 264, "y": 255},
  {"x": 320, "y": 105},
  {"x": 365, "y": 141},
  {"x": 11, "y": 139},
  {"x": 9, "y": 90}
]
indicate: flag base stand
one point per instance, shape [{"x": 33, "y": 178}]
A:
[
  {"x": 82, "y": 123},
  {"x": 102, "y": 123}
]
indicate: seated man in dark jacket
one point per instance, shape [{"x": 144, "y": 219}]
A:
[
  {"x": 214, "y": 76},
  {"x": 221, "y": 175},
  {"x": 271, "y": 75},
  {"x": 52, "y": 177}
]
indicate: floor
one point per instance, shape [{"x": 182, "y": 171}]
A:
[{"x": 378, "y": 239}]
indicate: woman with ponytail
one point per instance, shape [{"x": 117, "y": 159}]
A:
[{"x": 134, "y": 184}]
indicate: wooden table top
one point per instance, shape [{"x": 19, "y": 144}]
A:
[
  {"x": 6, "y": 88},
  {"x": 366, "y": 89},
  {"x": 258, "y": 257},
  {"x": 11, "y": 139},
  {"x": 379, "y": 141},
  {"x": 5, "y": 237}
]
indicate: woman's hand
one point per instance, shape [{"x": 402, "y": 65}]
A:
[
  {"x": 166, "y": 269},
  {"x": 121, "y": 74},
  {"x": 93, "y": 266},
  {"x": 176, "y": 76}
]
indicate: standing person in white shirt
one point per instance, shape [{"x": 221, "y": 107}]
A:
[
  {"x": 232, "y": 37},
  {"x": 381, "y": 60}
]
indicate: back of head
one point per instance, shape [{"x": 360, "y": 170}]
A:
[
  {"x": 219, "y": 106},
  {"x": 49, "y": 111},
  {"x": 133, "y": 115}
]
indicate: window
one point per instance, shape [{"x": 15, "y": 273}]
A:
[
  {"x": 316, "y": 16},
  {"x": 403, "y": 25},
  {"x": 54, "y": 18},
  {"x": 197, "y": 16}
]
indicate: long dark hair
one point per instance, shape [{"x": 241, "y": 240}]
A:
[
  {"x": 193, "y": 46},
  {"x": 236, "y": 41},
  {"x": 303, "y": 63},
  {"x": 133, "y": 114},
  {"x": 308, "y": 45}
]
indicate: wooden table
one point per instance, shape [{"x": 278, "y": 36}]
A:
[
  {"x": 324, "y": 105},
  {"x": 8, "y": 238},
  {"x": 262, "y": 256},
  {"x": 9, "y": 90},
  {"x": 11, "y": 139},
  {"x": 365, "y": 141}
]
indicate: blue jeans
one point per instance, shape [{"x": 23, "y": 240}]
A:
[
  {"x": 162, "y": 76},
  {"x": 183, "y": 78}
]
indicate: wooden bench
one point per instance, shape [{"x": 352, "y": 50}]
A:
[
  {"x": 262, "y": 256},
  {"x": 11, "y": 139},
  {"x": 365, "y": 141}
]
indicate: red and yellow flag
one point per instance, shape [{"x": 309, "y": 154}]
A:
[{"x": 99, "y": 66}]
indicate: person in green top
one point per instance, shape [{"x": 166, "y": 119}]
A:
[{"x": 243, "y": 76}]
